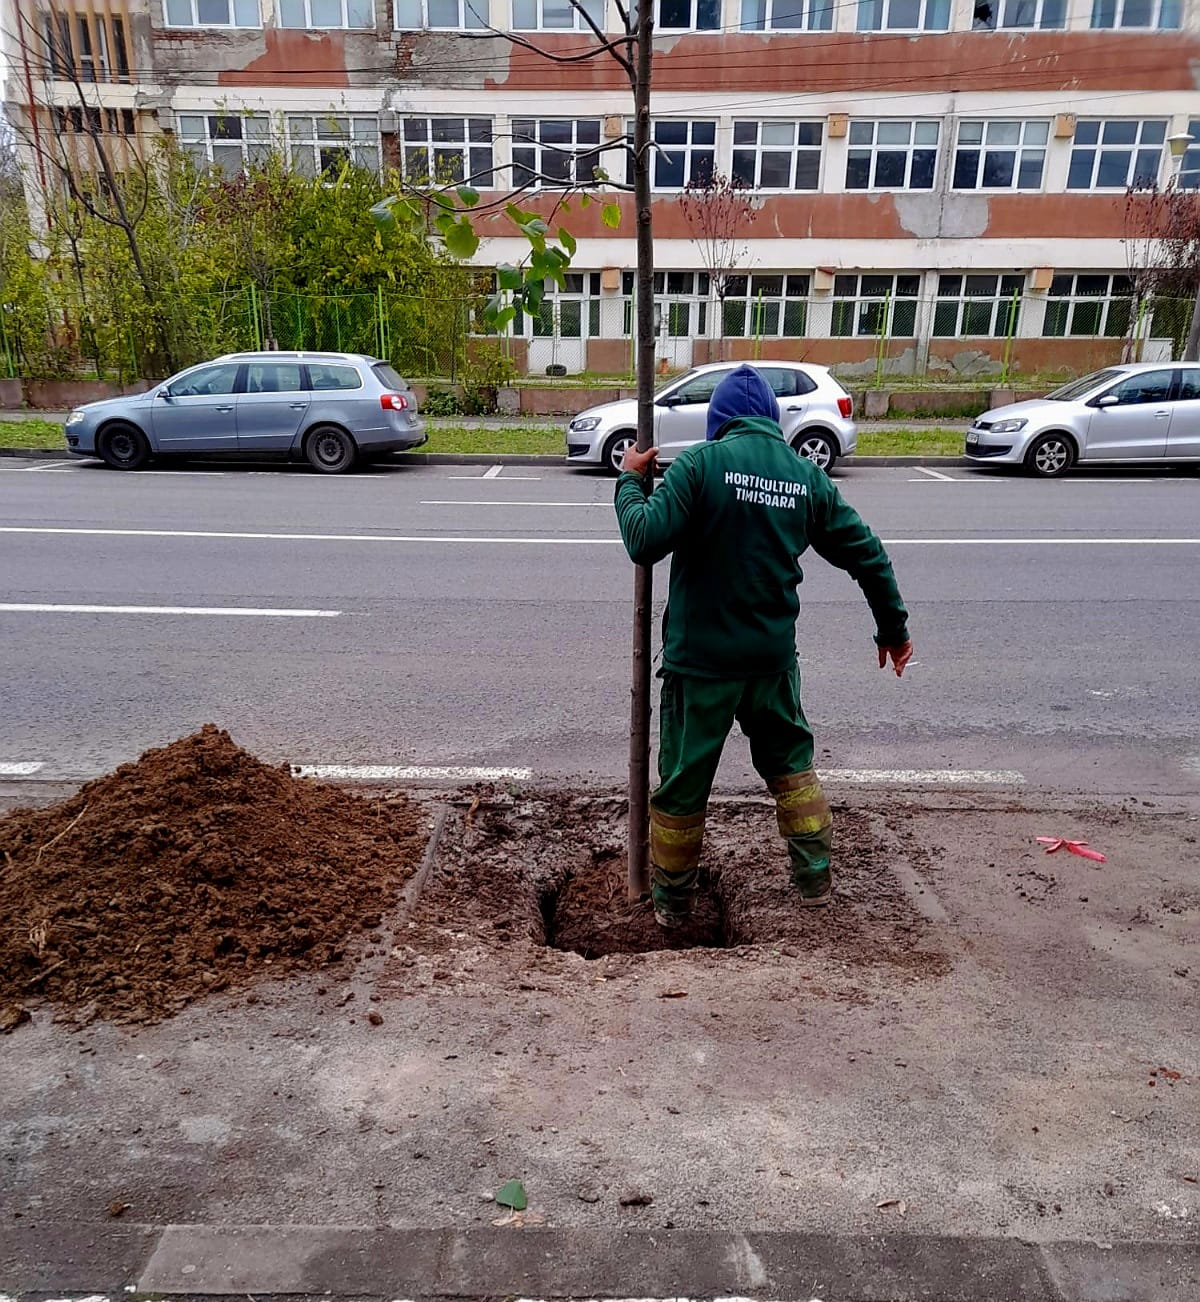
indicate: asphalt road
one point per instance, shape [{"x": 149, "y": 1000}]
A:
[{"x": 456, "y": 616}]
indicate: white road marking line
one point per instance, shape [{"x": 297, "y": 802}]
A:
[
  {"x": 528, "y": 478},
  {"x": 934, "y": 474},
  {"x": 410, "y": 773},
  {"x": 456, "y": 502},
  {"x": 23, "y": 769},
  {"x": 1192, "y": 764},
  {"x": 47, "y": 608},
  {"x": 926, "y": 777},
  {"x": 493, "y": 472},
  {"x": 492, "y": 540},
  {"x": 48, "y": 465}
]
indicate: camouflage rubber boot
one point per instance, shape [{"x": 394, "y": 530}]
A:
[
  {"x": 806, "y": 823},
  {"x": 674, "y": 865}
]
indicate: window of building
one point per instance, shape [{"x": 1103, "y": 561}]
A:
[
  {"x": 974, "y": 305},
  {"x": 873, "y": 304},
  {"x": 225, "y": 140},
  {"x": 687, "y": 15},
  {"x": 991, "y": 15},
  {"x": 787, "y": 15},
  {"x": 686, "y": 155},
  {"x": 777, "y": 155},
  {"x": 1189, "y": 170},
  {"x": 78, "y": 121},
  {"x": 892, "y": 155},
  {"x": 1113, "y": 155},
  {"x": 1089, "y": 304},
  {"x": 323, "y": 145},
  {"x": 681, "y": 302},
  {"x": 555, "y": 15},
  {"x": 1000, "y": 155},
  {"x": 554, "y": 151},
  {"x": 324, "y": 14},
  {"x": 440, "y": 15},
  {"x": 1137, "y": 13},
  {"x": 212, "y": 13},
  {"x": 572, "y": 312},
  {"x": 447, "y": 150},
  {"x": 775, "y": 305},
  {"x": 903, "y": 15},
  {"x": 91, "y": 47}
]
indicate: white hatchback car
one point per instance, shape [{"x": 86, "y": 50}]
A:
[{"x": 815, "y": 414}]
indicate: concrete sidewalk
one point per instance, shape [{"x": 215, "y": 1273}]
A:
[{"x": 367, "y": 1262}]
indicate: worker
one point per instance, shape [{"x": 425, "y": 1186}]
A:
[{"x": 735, "y": 513}]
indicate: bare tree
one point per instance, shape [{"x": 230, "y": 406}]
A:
[
  {"x": 1162, "y": 249},
  {"x": 718, "y": 212}
]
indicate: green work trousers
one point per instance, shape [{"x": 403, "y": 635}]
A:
[{"x": 695, "y": 719}]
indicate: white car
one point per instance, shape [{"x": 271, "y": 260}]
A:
[{"x": 814, "y": 410}]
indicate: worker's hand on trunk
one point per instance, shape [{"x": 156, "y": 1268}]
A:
[
  {"x": 899, "y": 656},
  {"x": 641, "y": 463}
]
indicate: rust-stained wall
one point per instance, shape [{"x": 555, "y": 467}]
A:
[{"x": 851, "y": 63}]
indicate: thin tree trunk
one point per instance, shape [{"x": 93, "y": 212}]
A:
[{"x": 643, "y": 580}]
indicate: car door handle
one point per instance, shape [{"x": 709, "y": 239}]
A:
[
  {"x": 795, "y": 409},
  {"x": 222, "y": 409},
  {"x": 1161, "y": 415}
]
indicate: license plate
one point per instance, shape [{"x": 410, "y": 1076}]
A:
[{"x": 972, "y": 438}]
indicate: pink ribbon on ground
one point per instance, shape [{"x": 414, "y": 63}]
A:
[{"x": 1081, "y": 848}]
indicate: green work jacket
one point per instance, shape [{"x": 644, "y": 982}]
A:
[{"x": 737, "y": 514}]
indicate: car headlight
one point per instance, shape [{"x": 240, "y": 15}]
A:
[
  {"x": 585, "y": 424},
  {"x": 74, "y": 418},
  {"x": 1009, "y": 426}
]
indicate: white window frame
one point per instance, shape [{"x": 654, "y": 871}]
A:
[
  {"x": 234, "y": 20},
  {"x": 527, "y": 138},
  {"x": 1100, "y": 149},
  {"x": 941, "y": 10},
  {"x": 1109, "y": 299},
  {"x": 676, "y": 294},
  {"x": 781, "y": 15},
  {"x": 360, "y": 141},
  {"x": 714, "y": 12},
  {"x": 865, "y": 302},
  {"x": 1165, "y": 15},
  {"x": 472, "y": 16},
  {"x": 463, "y": 145},
  {"x": 1027, "y": 144},
  {"x": 794, "y": 151},
  {"x": 795, "y": 291},
  {"x": 255, "y": 138},
  {"x": 689, "y": 149},
  {"x": 308, "y": 25},
  {"x": 967, "y": 298},
  {"x": 1019, "y": 16},
  {"x": 1189, "y": 169},
  {"x": 596, "y": 10},
  {"x": 875, "y": 148}
]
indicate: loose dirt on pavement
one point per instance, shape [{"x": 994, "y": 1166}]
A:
[{"x": 197, "y": 868}]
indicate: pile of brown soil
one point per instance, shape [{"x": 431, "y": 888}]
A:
[{"x": 195, "y": 869}]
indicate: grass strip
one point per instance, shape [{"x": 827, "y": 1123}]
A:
[
  {"x": 32, "y": 434},
  {"x": 909, "y": 442}
]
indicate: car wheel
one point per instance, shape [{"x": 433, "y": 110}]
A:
[
  {"x": 1049, "y": 456},
  {"x": 330, "y": 450},
  {"x": 817, "y": 448},
  {"x": 615, "y": 449},
  {"x": 123, "y": 447}
]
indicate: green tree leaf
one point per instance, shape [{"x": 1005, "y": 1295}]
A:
[
  {"x": 567, "y": 240},
  {"x": 610, "y": 215},
  {"x": 512, "y": 1195},
  {"x": 509, "y": 277},
  {"x": 461, "y": 240},
  {"x": 468, "y": 196}
]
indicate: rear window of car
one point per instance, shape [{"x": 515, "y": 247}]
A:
[
  {"x": 326, "y": 375},
  {"x": 387, "y": 376}
]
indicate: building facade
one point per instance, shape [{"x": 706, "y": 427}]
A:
[{"x": 938, "y": 185}]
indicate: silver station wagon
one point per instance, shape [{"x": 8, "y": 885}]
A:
[{"x": 330, "y": 409}]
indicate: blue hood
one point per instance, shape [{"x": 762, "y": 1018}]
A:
[{"x": 741, "y": 393}]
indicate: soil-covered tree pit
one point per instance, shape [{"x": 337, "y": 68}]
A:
[{"x": 548, "y": 869}]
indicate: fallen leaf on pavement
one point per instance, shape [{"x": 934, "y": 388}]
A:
[
  {"x": 118, "y": 1208},
  {"x": 12, "y": 1016},
  {"x": 1169, "y": 1074},
  {"x": 512, "y": 1195},
  {"x": 888, "y": 1204},
  {"x": 673, "y": 994}
]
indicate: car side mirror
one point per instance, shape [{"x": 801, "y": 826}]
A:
[
  {"x": 1107, "y": 400},
  {"x": 164, "y": 392},
  {"x": 671, "y": 400}
]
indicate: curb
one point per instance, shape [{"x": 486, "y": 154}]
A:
[
  {"x": 514, "y": 459},
  {"x": 208, "y": 1261}
]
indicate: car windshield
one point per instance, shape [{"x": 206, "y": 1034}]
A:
[{"x": 1077, "y": 388}]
